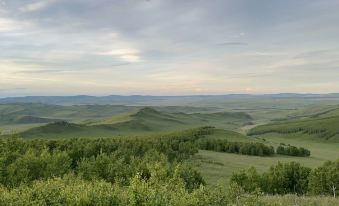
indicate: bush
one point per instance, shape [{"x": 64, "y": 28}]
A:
[
  {"x": 280, "y": 179},
  {"x": 324, "y": 180},
  {"x": 246, "y": 148},
  {"x": 293, "y": 151},
  {"x": 71, "y": 190},
  {"x": 112, "y": 160}
]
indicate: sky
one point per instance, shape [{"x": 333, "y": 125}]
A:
[{"x": 168, "y": 47}]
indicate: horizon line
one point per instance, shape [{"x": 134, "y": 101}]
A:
[{"x": 188, "y": 95}]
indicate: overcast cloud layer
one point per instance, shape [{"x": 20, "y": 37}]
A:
[{"x": 168, "y": 47}]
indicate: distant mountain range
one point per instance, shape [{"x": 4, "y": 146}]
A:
[{"x": 141, "y": 100}]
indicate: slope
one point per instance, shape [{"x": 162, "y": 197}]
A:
[
  {"x": 145, "y": 121},
  {"x": 326, "y": 128}
]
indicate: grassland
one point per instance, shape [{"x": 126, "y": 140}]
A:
[
  {"x": 299, "y": 200},
  {"x": 16, "y": 117},
  {"x": 325, "y": 128},
  {"x": 145, "y": 121},
  {"x": 217, "y": 167},
  {"x": 315, "y": 128}
]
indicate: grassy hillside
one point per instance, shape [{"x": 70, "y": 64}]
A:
[
  {"x": 145, "y": 121},
  {"x": 315, "y": 128},
  {"x": 13, "y": 113},
  {"x": 326, "y": 128},
  {"x": 9, "y": 113},
  {"x": 312, "y": 111},
  {"x": 217, "y": 167}
]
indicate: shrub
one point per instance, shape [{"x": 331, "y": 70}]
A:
[
  {"x": 293, "y": 151},
  {"x": 280, "y": 179},
  {"x": 324, "y": 180},
  {"x": 246, "y": 148}
]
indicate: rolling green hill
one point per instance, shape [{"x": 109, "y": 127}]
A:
[
  {"x": 149, "y": 119},
  {"x": 11, "y": 113},
  {"x": 25, "y": 119},
  {"x": 145, "y": 121},
  {"x": 33, "y": 120},
  {"x": 218, "y": 167},
  {"x": 326, "y": 128},
  {"x": 314, "y": 111},
  {"x": 75, "y": 113}
]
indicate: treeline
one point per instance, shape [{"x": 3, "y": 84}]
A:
[
  {"x": 250, "y": 148},
  {"x": 293, "y": 151},
  {"x": 112, "y": 160},
  {"x": 245, "y": 148},
  {"x": 131, "y": 171},
  {"x": 285, "y": 130},
  {"x": 292, "y": 178}
]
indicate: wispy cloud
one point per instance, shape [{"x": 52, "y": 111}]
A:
[
  {"x": 9, "y": 25},
  {"x": 127, "y": 54},
  {"x": 233, "y": 43},
  {"x": 11, "y": 89},
  {"x": 37, "y": 5}
]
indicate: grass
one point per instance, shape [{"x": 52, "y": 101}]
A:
[
  {"x": 17, "y": 128},
  {"x": 10, "y": 113},
  {"x": 294, "y": 200},
  {"x": 229, "y": 135},
  {"x": 326, "y": 128},
  {"x": 217, "y": 167},
  {"x": 143, "y": 122}
]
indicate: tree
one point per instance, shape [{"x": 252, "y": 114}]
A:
[{"x": 324, "y": 180}]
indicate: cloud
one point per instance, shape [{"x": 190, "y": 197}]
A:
[
  {"x": 167, "y": 45},
  {"x": 8, "y": 25},
  {"x": 36, "y": 6},
  {"x": 41, "y": 71},
  {"x": 12, "y": 89},
  {"x": 234, "y": 44},
  {"x": 127, "y": 54}
]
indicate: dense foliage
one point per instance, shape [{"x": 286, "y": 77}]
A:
[
  {"x": 112, "y": 160},
  {"x": 293, "y": 151},
  {"x": 143, "y": 171},
  {"x": 245, "y": 148},
  {"x": 280, "y": 179},
  {"x": 157, "y": 190},
  {"x": 324, "y": 180},
  {"x": 292, "y": 178},
  {"x": 134, "y": 171}
]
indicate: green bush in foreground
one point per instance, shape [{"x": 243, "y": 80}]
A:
[
  {"x": 155, "y": 191},
  {"x": 324, "y": 180},
  {"x": 112, "y": 160},
  {"x": 74, "y": 191},
  {"x": 292, "y": 178},
  {"x": 289, "y": 178}
]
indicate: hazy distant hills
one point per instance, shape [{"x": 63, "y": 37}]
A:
[
  {"x": 144, "y": 121},
  {"x": 141, "y": 100}
]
